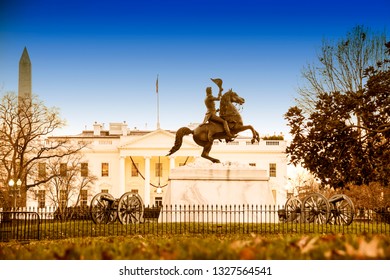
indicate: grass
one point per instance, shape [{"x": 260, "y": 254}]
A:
[
  {"x": 74, "y": 229},
  {"x": 191, "y": 240},
  {"x": 200, "y": 247}
]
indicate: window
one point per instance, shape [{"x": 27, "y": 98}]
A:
[
  {"x": 63, "y": 169},
  {"x": 104, "y": 169},
  {"x": 84, "y": 142},
  {"x": 158, "y": 201},
  {"x": 272, "y": 143},
  {"x": 41, "y": 199},
  {"x": 42, "y": 170},
  {"x": 83, "y": 198},
  {"x": 104, "y": 191},
  {"x": 63, "y": 199},
  {"x": 252, "y": 164},
  {"x": 158, "y": 169},
  {"x": 134, "y": 191},
  {"x": 272, "y": 169},
  {"x": 84, "y": 169},
  {"x": 134, "y": 169}
]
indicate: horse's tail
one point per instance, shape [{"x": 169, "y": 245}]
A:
[{"x": 183, "y": 131}]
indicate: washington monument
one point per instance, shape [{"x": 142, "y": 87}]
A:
[{"x": 25, "y": 84}]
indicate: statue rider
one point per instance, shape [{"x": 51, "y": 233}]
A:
[{"x": 211, "y": 114}]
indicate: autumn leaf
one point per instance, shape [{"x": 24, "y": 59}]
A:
[
  {"x": 370, "y": 249},
  {"x": 247, "y": 253},
  {"x": 306, "y": 244}
]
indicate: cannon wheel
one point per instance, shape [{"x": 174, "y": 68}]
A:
[
  {"x": 101, "y": 209},
  {"x": 130, "y": 208},
  {"x": 342, "y": 210},
  {"x": 293, "y": 209},
  {"x": 315, "y": 209}
]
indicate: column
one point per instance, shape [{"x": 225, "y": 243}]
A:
[
  {"x": 171, "y": 162},
  {"x": 122, "y": 175},
  {"x": 147, "y": 181}
]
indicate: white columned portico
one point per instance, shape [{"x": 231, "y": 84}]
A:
[
  {"x": 147, "y": 181},
  {"x": 121, "y": 189}
]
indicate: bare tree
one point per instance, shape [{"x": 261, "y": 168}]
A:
[
  {"x": 71, "y": 178},
  {"x": 341, "y": 65},
  {"x": 303, "y": 183},
  {"x": 24, "y": 128}
]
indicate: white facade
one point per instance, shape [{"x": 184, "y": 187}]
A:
[{"x": 117, "y": 148}]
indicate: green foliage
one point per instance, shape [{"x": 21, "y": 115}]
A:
[
  {"x": 373, "y": 196},
  {"x": 273, "y": 137},
  {"x": 346, "y": 139},
  {"x": 213, "y": 247}
]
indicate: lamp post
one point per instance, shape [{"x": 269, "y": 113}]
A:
[
  {"x": 15, "y": 190},
  {"x": 159, "y": 190}
]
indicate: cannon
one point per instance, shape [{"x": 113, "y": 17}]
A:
[
  {"x": 316, "y": 208},
  {"x": 105, "y": 209}
]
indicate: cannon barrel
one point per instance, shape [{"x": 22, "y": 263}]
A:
[
  {"x": 336, "y": 198},
  {"x": 107, "y": 198}
]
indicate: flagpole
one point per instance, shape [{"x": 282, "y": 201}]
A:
[{"x": 158, "y": 105}]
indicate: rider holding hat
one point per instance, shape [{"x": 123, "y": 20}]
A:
[{"x": 211, "y": 114}]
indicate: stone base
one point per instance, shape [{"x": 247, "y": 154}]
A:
[{"x": 226, "y": 191}]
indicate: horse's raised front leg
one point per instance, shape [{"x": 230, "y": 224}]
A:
[{"x": 255, "y": 134}]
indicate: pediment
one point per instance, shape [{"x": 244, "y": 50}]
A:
[{"x": 158, "y": 139}]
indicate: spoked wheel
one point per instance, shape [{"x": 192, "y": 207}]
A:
[
  {"x": 293, "y": 209},
  {"x": 130, "y": 208},
  {"x": 101, "y": 209},
  {"x": 342, "y": 210},
  {"x": 315, "y": 209}
]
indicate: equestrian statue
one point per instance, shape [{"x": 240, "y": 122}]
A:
[{"x": 224, "y": 126}]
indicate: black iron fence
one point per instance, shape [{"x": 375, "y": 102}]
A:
[
  {"x": 19, "y": 226},
  {"x": 40, "y": 224}
]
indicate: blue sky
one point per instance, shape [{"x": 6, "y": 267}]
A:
[{"x": 99, "y": 60}]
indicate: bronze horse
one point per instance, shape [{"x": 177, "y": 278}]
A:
[{"x": 205, "y": 134}]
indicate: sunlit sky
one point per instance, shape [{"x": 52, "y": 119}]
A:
[{"x": 99, "y": 60}]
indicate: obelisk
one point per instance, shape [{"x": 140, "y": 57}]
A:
[{"x": 25, "y": 84}]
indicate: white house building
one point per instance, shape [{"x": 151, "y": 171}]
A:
[{"x": 133, "y": 160}]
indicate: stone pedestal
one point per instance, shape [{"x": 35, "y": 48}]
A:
[{"x": 218, "y": 193}]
